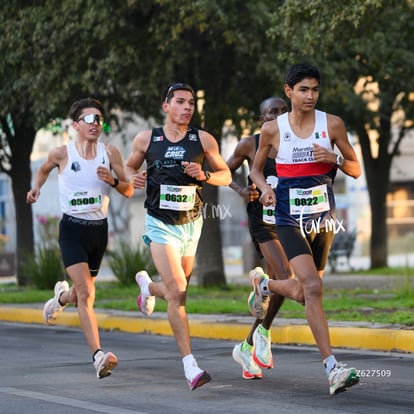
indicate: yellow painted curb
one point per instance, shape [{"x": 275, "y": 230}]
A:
[{"x": 397, "y": 340}]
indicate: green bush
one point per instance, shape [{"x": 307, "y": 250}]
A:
[
  {"x": 45, "y": 267},
  {"x": 129, "y": 259}
]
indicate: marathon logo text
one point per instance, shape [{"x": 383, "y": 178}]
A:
[{"x": 302, "y": 155}]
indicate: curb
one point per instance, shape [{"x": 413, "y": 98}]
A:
[{"x": 285, "y": 332}]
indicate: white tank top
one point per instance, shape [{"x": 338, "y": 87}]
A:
[
  {"x": 304, "y": 193},
  {"x": 81, "y": 193},
  {"x": 295, "y": 155}
]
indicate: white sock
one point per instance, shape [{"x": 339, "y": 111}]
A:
[
  {"x": 191, "y": 368},
  {"x": 329, "y": 363}
]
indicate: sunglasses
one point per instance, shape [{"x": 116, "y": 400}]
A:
[
  {"x": 178, "y": 87},
  {"x": 91, "y": 118}
]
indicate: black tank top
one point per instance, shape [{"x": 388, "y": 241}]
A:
[
  {"x": 165, "y": 171},
  {"x": 270, "y": 165},
  {"x": 269, "y": 169}
]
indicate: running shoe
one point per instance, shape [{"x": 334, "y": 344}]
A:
[
  {"x": 262, "y": 354},
  {"x": 257, "y": 302},
  {"x": 341, "y": 378},
  {"x": 145, "y": 302},
  {"x": 53, "y": 308},
  {"x": 244, "y": 357},
  {"x": 200, "y": 379},
  {"x": 104, "y": 364}
]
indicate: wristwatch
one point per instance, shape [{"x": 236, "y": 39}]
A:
[
  {"x": 339, "y": 160},
  {"x": 116, "y": 182},
  {"x": 207, "y": 174}
]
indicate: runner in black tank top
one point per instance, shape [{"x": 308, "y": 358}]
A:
[
  {"x": 254, "y": 353},
  {"x": 175, "y": 154}
]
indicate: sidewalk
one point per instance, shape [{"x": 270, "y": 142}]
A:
[{"x": 361, "y": 335}]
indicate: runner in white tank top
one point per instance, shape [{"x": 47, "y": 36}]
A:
[
  {"x": 86, "y": 170},
  {"x": 304, "y": 201}
]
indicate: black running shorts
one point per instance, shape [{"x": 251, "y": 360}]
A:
[
  {"x": 260, "y": 232},
  {"x": 315, "y": 244},
  {"x": 83, "y": 241}
]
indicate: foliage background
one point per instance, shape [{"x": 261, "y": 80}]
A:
[{"x": 125, "y": 52}]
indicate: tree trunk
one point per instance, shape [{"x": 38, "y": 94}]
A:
[
  {"x": 377, "y": 171},
  {"x": 379, "y": 233},
  {"x": 209, "y": 259},
  {"x": 210, "y": 267},
  {"x": 20, "y": 174}
]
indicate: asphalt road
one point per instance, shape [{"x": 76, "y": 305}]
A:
[{"x": 48, "y": 370}]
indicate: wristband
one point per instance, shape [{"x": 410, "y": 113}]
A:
[{"x": 116, "y": 182}]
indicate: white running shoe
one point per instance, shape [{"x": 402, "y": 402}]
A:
[
  {"x": 146, "y": 303},
  {"x": 341, "y": 378},
  {"x": 53, "y": 308},
  {"x": 257, "y": 302},
  {"x": 199, "y": 380},
  {"x": 104, "y": 363},
  {"x": 196, "y": 377},
  {"x": 262, "y": 354},
  {"x": 244, "y": 357}
]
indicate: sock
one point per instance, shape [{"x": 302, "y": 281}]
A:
[
  {"x": 191, "y": 368},
  {"x": 95, "y": 353},
  {"x": 188, "y": 361},
  {"x": 329, "y": 363},
  {"x": 263, "y": 331},
  {"x": 246, "y": 346}
]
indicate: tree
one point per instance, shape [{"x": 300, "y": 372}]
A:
[
  {"x": 52, "y": 53},
  {"x": 123, "y": 53},
  {"x": 368, "y": 43},
  {"x": 218, "y": 54}
]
